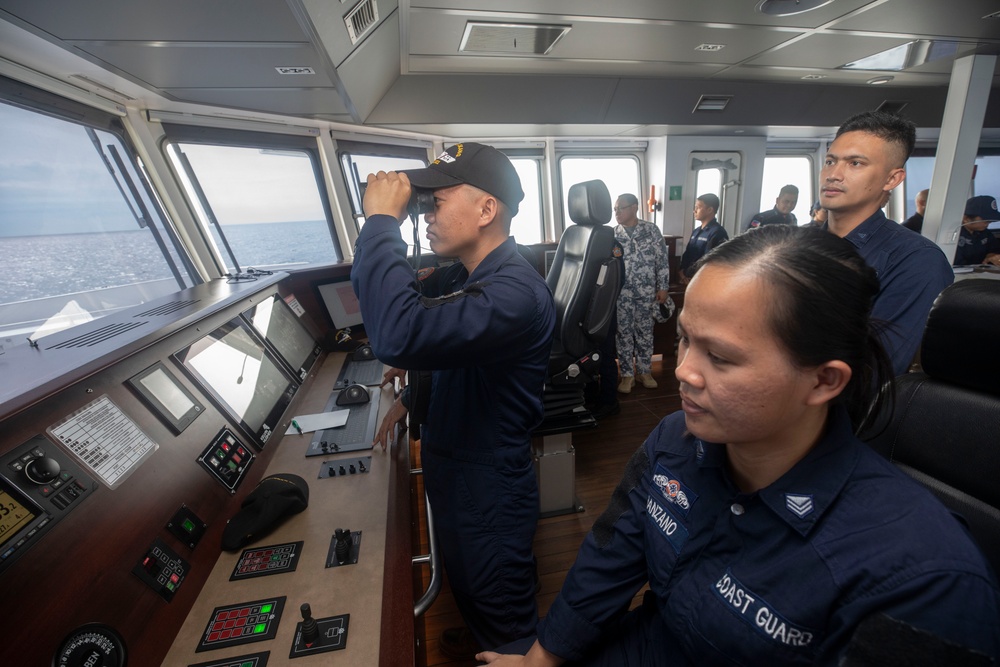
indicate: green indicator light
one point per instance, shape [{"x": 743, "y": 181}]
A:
[
  {"x": 259, "y": 628},
  {"x": 248, "y": 663},
  {"x": 266, "y": 609},
  {"x": 188, "y": 525},
  {"x": 221, "y": 454}
]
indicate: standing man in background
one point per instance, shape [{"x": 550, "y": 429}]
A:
[
  {"x": 916, "y": 221},
  {"x": 647, "y": 277},
  {"x": 781, "y": 214},
  {"x": 863, "y": 164},
  {"x": 484, "y": 330},
  {"x": 706, "y": 236}
]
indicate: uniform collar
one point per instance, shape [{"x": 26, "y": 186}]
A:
[
  {"x": 497, "y": 256},
  {"x": 864, "y": 232},
  {"x": 802, "y": 495}
]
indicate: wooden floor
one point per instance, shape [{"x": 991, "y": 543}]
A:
[{"x": 601, "y": 455}]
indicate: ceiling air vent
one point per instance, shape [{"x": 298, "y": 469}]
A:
[
  {"x": 361, "y": 19},
  {"x": 712, "y": 103},
  {"x": 511, "y": 38},
  {"x": 892, "y": 107}
]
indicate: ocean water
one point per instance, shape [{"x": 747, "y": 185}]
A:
[{"x": 40, "y": 266}]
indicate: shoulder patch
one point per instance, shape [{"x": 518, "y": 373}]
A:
[{"x": 426, "y": 272}]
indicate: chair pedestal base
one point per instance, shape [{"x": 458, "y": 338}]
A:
[{"x": 555, "y": 467}]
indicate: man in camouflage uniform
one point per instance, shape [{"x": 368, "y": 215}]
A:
[{"x": 646, "y": 280}]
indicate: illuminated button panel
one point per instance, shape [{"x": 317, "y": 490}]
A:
[
  {"x": 227, "y": 459},
  {"x": 162, "y": 569},
  {"x": 243, "y": 623},
  {"x": 262, "y": 561}
]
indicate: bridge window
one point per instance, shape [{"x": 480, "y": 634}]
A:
[
  {"x": 781, "y": 170},
  {"x": 619, "y": 173},
  {"x": 259, "y": 197},
  {"x": 358, "y": 159},
  {"x": 526, "y": 227},
  {"x": 81, "y": 235}
]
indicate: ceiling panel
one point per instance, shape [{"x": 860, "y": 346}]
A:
[
  {"x": 204, "y": 65},
  {"x": 434, "y": 33},
  {"x": 292, "y": 101},
  {"x": 824, "y": 50},
  {"x": 733, "y": 12},
  {"x": 581, "y": 67},
  {"x": 929, "y": 18},
  {"x": 176, "y": 20}
]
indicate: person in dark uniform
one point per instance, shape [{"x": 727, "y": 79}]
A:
[
  {"x": 977, "y": 244},
  {"x": 817, "y": 216},
  {"x": 766, "y": 530},
  {"x": 706, "y": 236},
  {"x": 865, "y": 162},
  {"x": 484, "y": 328},
  {"x": 781, "y": 214},
  {"x": 916, "y": 221}
]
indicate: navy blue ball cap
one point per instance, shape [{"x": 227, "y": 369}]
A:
[
  {"x": 478, "y": 165},
  {"x": 982, "y": 206}
]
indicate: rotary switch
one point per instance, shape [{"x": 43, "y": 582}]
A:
[{"x": 42, "y": 470}]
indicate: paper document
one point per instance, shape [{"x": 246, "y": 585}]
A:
[{"x": 319, "y": 421}]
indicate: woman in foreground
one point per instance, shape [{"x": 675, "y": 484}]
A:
[{"x": 766, "y": 530}]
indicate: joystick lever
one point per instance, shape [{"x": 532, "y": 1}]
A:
[
  {"x": 342, "y": 550},
  {"x": 310, "y": 629}
]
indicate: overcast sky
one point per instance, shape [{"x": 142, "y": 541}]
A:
[{"x": 52, "y": 181}]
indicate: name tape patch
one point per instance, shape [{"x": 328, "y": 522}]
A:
[
  {"x": 755, "y": 612},
  {"x": 667, "y": 524}
]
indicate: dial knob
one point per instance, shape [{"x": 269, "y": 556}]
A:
[
  {"x": 91, "y": 645},
  {"x": 42, "y": 470}
]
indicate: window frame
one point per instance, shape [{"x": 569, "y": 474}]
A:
[{"x": 236, "y": 138}]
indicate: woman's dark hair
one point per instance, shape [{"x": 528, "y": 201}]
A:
[{"x": 822, "y": 293}]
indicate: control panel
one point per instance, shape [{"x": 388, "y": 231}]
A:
[{"x": 39, "y": 485}]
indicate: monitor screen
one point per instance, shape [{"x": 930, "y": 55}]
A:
[
  {"x": 341, "y": 303},
  {"x": 279, "y": 326},
  {"x": 16, "y": 513},
  {"x": 242, "y": 375}
]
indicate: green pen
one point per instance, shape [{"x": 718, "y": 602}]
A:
[{"x": 297, "y": 427}]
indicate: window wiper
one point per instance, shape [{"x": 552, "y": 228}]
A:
[
  {"x": 142, "y": 216},
  {"x": 114, "y": 176}
]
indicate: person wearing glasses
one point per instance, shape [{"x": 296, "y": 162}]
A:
[{"x": 647, "y": 276}]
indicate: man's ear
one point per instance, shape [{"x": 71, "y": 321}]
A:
[
  {"x": 896, "y": 176},
  {"x": 489, "y": 210}
]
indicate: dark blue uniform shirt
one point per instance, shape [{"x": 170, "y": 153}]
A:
[
  {"x": 974, "y": 246},
  {"x": 488, "y": 346},
  {"x": 772, "y": 217},
  {"x": 778, "y": 577},
  {"x": 912, "y": 271},
  {"x": 702, "y": 240}
]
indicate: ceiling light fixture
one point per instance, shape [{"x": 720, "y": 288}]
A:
[
  {"x": 813, "y": 77},
  {"x": 789, "y": 7},
  {"x": 880, "y": 80},
  {"x": 709, "y": 47}
]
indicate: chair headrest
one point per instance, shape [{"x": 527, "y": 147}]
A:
[
  {"x": 962, "y": 335},
  {"x": 589, "y": 203}
]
